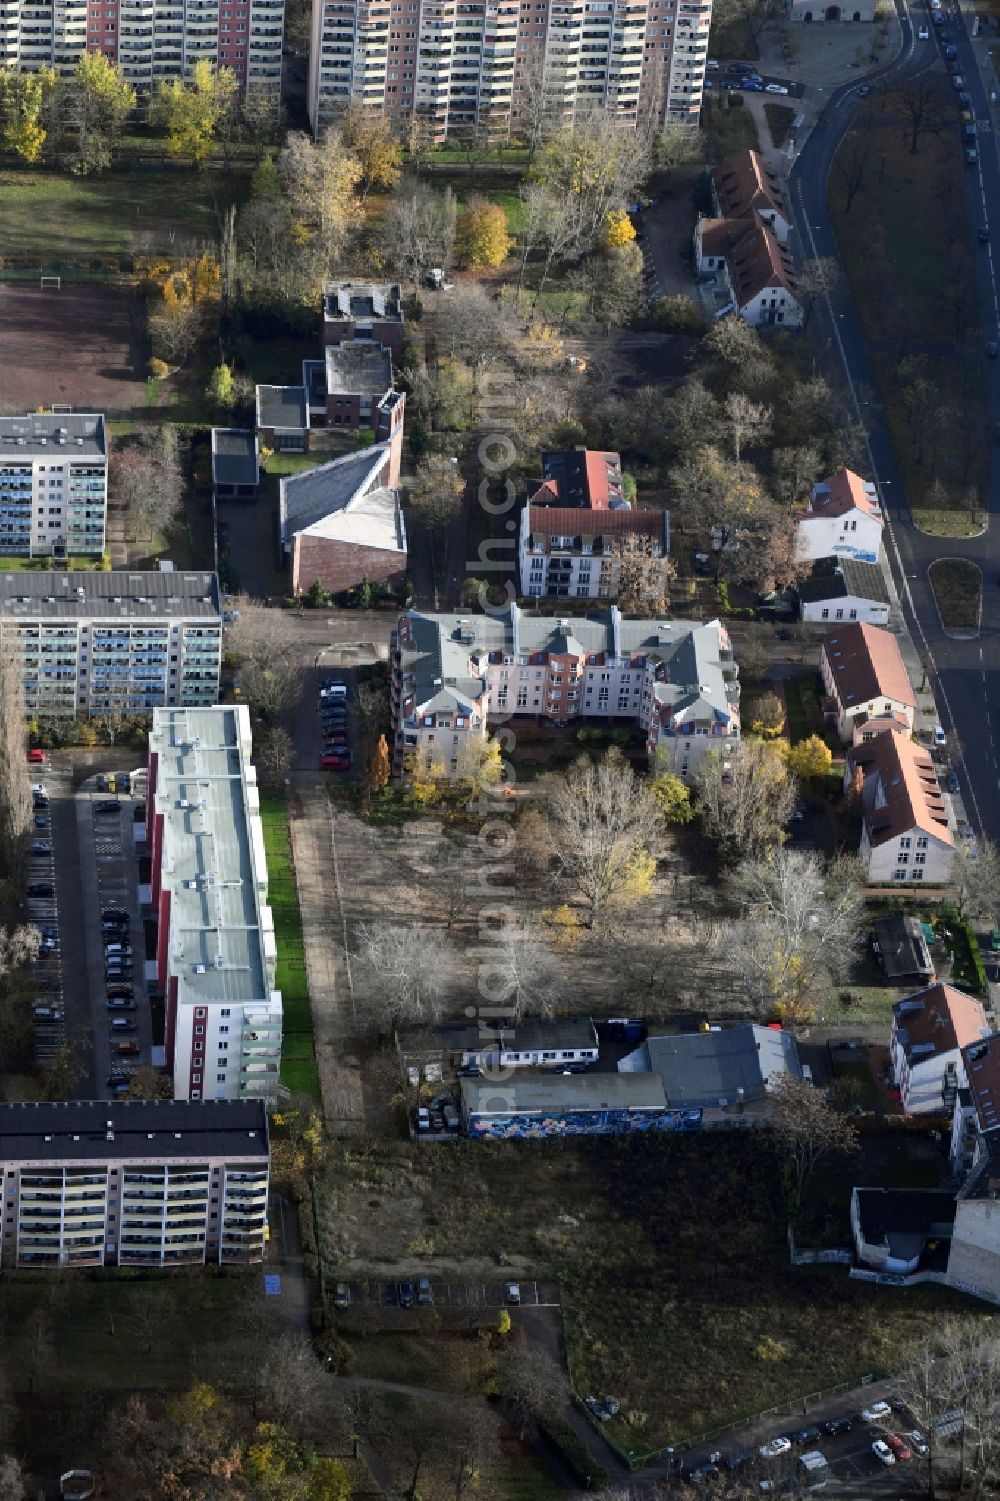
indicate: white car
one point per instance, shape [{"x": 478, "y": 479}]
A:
[
  {"x": 918, "y": 1443},
  {"x": 940, "y": 738},
  {"x": 923, "y": 34},
  {"x": 882, "y": 1452},
  {"x": 774, "y": 1447},
  {"x": 876, "y": 1412},
  {"x": 776, "y": 88}
]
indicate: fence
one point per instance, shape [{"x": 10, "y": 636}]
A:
[{"x": 829, "y": 1256}]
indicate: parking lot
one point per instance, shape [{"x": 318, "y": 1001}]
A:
[
  {"x": 469, "y": 1295},
  {"x": 83, "y": 865}
]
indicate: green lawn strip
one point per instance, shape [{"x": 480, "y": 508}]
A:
[
  {"x": 729, "y": 127},
  {"x": 802, "y": 706},
  {"x": 925, "y": 350},
  {"x": 298, "y": 1066},
  {"x": 43, "y": 565},
  {"x": 958, "y": 592},
  {"x": 945, "y": 523},
  {"x": 80, "y": 218},
  {"x": 116, "y": 1333}
]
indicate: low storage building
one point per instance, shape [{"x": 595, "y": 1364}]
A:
[
  {"x": 718, "y": 1074},
  {"x": 527, "y": 1044},
  {"x": 901, "y": 946},
  {"x": 840, "y": 588},
  {"x": 568, "y": 1105},
  {"x": 235, "y": 463},
  {"x": 902, "y": 1230}
]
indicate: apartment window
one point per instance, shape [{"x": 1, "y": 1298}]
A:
[
  {"x": 920, "y": 858},
  {"x": 196, "y": 1078},
  {"x": 220, "y": 1078},
  {"x": 903, "y": 858},
  {"x": 922, "y": 842},
  {"x": 199, "y": 1031},
  {"x": 918, "y": 875},
  {"x": 223, "y": 1029},
  {"x": 899, "y": 875},
  {"x": 904, "y": 843},
  {"x": 226, "y": 1011},
  {"x": 223, "y": 1046}
]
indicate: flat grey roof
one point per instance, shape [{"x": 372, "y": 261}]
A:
[
  {"x": 234, "y": 456},
  {"x": 53, "y": 435},
  {"x": 213, "y": 848},
  {"x": 179, "y": 1128},
  {"x": 560, "y": 1094},
  {"x": 358, "y": 369},
  {"x": 704, "y": 1068},
  {"x": 282, "y": 406},
  {"x": 379, "y": 301},
  {"x": 526, "y": 1036},
  {"x": 126, "y": 594}
]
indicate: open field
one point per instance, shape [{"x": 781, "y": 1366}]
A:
[
  {"x": 81, "y": 346},
  {"x": 70, "y": 220},
  {"x": 925, "y": 348},
  {"x": 958, "y": 593},
  {"x": 628, "y": 1227}
]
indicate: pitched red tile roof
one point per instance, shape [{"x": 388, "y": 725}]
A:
[
  {"x": 913, "y": 793},
  {"x": 946, "y": 1018},
  {"x": 758, "y": 261},
  {"x": 565, "y": 521},
  {"x": 845, "y": 491},
  {"x": 866, "y": 664},
  {"x": 982, "y": 1068},
  {"x": 744, "y": 183}
]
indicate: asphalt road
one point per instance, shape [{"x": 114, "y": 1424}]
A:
[{"x": 964, "y": 667}]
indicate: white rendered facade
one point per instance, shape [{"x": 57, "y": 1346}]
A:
[{"x": 53, "y": 484}]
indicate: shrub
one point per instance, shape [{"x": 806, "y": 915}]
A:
[{"x": 158, "y": 369}]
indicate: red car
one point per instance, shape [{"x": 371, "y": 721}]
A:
[
  {"x": 333, "y": 761},
  {"x": 36, "y": 758},
  {"x": 898, "y": 1448}
]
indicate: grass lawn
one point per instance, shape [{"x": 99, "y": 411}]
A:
[
  {"x": 64, "y": 218},
  {"x": 925, "y": 348},
  {"x": 958, "y": 593},
  {"x": 732, "y": 38},
  {"x": 945, "y": 523},
  {"x": 500, "y": 188},
  {"x": 678, "y": 1296},
  {"x": 886, "y": 1159},
  {"x": 93, "y": 1334},
  {"x": 779, "y": 122},
  {"x": 802, "y": 706},
  {"x": 43, "y": 565},
  {"x": 298, "y": 1065},
  {"x": 729, "y": 127}
]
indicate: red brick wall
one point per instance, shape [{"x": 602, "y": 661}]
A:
[{"x": 341, "y": 565}]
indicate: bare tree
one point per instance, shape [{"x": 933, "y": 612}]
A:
[
  {"x": 319, "y": 179},
  {"x": 436, "y": 491},
  {"x": 818, "y": 279},
  {"x": 851, "y": 163},
  {"x": 746, "y": 795},
  {"x": 975, "y": 878},
  {"x": 263, "y": 644},
  {"x": 292, "y": 1391},
  {"x": 419, "y": 230},
  {"x": 410, "y": 971},
  {"x": 148, "y": 1083},
  {"x": 749, "y": 422},
  {"x": 275, "y": 752},
  {"x": 644, "y": 576},
  {"x": 15, "y": 779},
  {"x": 530, "y": 1381},
  {"x": 146, "y": 476},
  {"x": 18, "y": 947},
  {"x": 807, "y": 1129},
  {"x": 800, "y": 920},
  {"x": 923, "y": 106},
  {"x": 602, "y": 819},
  {"x": 519, "y": 972}
]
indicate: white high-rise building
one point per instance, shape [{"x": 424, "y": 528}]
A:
[
  {"x": 464, "y": 68},
  {"x": 53, "y": 484},
  {"x": 215, "y": 956},
  {"x": 150, "y": 39}
]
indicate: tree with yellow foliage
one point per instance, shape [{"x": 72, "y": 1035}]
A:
[
  {"x": 768, "y": 718},
  {"x": 603, "y": 820},
  {"x": 376, "y": 148},
  {"x": 23, "y": 97},
  {"x": 811, "y": 759},
  {"x": 319, "y": 180},
  {"x": 618, "y": 229},
  {"x": 426, "y": 778},
  {"x": 673, "y": 798},
  {"x": 597, "y": 165},
  {"x": 92, "y": 105},
  {"x": 378, "y": 777},
  {"x": 483, "y": 238},
  {"x": 191, "y": 113}
]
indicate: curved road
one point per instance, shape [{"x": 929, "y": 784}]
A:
[{"x": 964, "y": 668}]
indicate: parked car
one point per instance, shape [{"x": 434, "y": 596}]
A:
[
  {"x": 468, "y": 1071},
  {"x": 404, "y": 1292},
  {"x": 423, "y": 1119},
  {"x": 876, "y": 1412},
  {"x": 42, "y": 822},
  {"x": 41, "y": 888},
  {"x": 127, "y": 1049},
  {"x": 39, "y": 847},
  {"x": 424, "y": 1294},
  {"x": 940, "y": 738},
  {"x": 39, "y": 800},
  {"x": 923, "y": 34},
  {"x": 119, "y": 992},
  {"x": 119, "y": 1003},
  {"x": 918, "y": 1443},
  {"x": 899, "y": 1449},
  {"x": 776, "y": 88},
  {"x": 775, "y": 1446},
  {"x": 46, "y": 1013},
  {"x": 882, "y": 1452},
  {"x": 953, "y": 784},
  {"x": 342, "y": 1295},
  {"x": 331, "y": 761},
  {"x": 110, "y": 805},
  {"x": 115, "y": 914},
  {"x": 836, "y": 1426},
  {"x": 118, "y": 1082},
  {"x": 808, "y": 1435},
  {"x": 36, "y": 757},
  {"x": 957, "y": 81},
  {"x": 512, "y": 1292}
]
